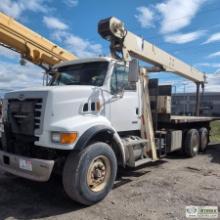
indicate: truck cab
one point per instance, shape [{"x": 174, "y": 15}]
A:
[
  {"x": 80, "y": 94},
  {"x": 86, "y": 101}
]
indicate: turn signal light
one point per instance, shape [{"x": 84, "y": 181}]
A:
[
  {"x": 68, "y": 138},
  {"x": 64, "y": 138}
]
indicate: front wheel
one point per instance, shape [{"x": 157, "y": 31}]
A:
[{"x": 89, "y": 175}]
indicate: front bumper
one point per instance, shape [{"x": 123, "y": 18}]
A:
[{"x": 38, "y": 169}]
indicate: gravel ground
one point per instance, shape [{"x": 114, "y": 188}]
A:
[{"x": 156, "y": 191}]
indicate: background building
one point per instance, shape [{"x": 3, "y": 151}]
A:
[{"x": 184, "y": 104}]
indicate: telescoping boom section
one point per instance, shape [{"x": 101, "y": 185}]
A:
[
  {"x": 29, "y": 44},
  {"x": 132, "y": 45}
]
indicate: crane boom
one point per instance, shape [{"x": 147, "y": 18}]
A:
[
  {"x": 29, "y": 44},
  {"x": 131, "y": 45}
]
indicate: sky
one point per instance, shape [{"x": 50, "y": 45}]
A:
[{"x": 188, "y": 29}]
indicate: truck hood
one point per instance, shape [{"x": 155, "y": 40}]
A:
[
  {"x": 61, "y": 93},
  {"x": 50, "y": 89},
  {"x": 60, "y": 102}
]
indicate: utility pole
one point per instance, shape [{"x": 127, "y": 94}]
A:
[{"x": 185, "y": 97}]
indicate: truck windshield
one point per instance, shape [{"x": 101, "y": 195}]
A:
[{"x": 80, "y": 74}]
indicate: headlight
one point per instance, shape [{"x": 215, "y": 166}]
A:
[{"x": 63, "y": 138}]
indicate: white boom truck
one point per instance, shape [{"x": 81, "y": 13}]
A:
[{"x": 96, "y": 114}]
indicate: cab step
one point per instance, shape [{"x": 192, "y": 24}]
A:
[{"x": 142, "y": 162}]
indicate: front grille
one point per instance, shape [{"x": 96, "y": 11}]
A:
[
  {"x": 24, "y": 117},
  {"x": 38, "y": 113},
  {"x": 24, "y": 146}
]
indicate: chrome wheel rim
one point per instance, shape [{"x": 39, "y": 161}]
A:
[{"x": 195, "y": 145}]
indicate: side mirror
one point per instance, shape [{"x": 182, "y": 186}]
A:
[{"x": 133, "y": 71}]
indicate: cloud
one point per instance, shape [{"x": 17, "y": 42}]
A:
[
  {"x": 77, "y": 45},
  {"x": 14, "y": 76},
  {"x": 16, "y": 8},
  {"x": 177, "y": 14},
  {"x": 212, "y": 65},
  {"x": 7, "y": 53},
  {"x": 54, "y": 23},
  {"x": 216, "y": 54},
  {"x": 213, "y": 82},
  {"x": 71, "y": 3},
  {"x": 217, "y": 71},
  {"x": 82, "y": 47},
  {"x": 145, "y": 17},
  {"x": 213, "y": 78},
  {"x": 212, "y": 85},
  {"x": 213, "y": 38},
  {"x": 184, "y": 38},
  {"x": 180, "y": 84}
]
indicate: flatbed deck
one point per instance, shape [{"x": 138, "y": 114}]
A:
[{"x": 176, "y": 119}]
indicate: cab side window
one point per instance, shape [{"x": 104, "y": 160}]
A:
[{"x": 119, "y": 80}]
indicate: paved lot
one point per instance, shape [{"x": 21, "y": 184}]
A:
[{"x": 157, "y": 191}]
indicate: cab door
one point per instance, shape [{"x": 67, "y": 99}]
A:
[{"x": 124, "y": 107}]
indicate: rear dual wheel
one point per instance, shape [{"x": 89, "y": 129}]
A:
[
  {"x": 195, "y": 141},
  {"x": 192, "y": 142},
  {"x": 204, "y": 139}
]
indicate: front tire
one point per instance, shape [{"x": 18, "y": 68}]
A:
[{"x": 88, "y": 176}]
